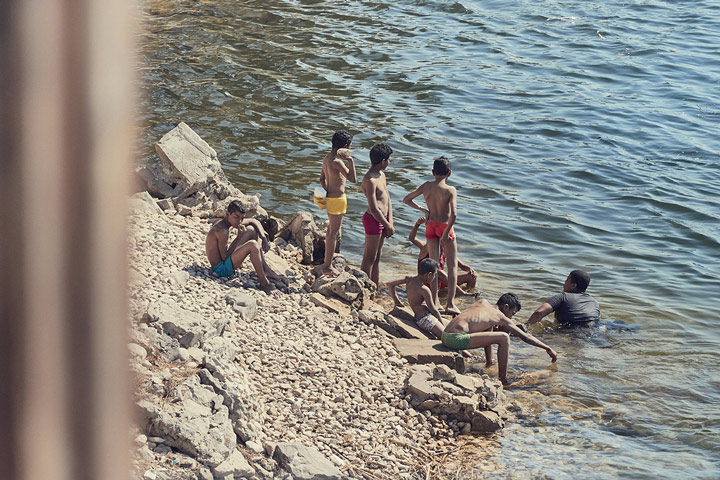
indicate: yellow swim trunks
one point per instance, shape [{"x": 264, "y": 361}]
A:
[{"x": 335, "y": 206}]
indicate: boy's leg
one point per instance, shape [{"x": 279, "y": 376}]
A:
[
  {"x": 375, "y": 270},
  {"x": 502, "y": 340},
  {"x": 433, "y": 245},
  {"x": 372, "y": 243},
  {"x": 450, "y": 249},
  {"x": 252, "y": 248},
  {"x": 335, "y": 221}
]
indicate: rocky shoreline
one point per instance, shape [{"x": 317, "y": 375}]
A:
[{"x": 233, "y": 383}]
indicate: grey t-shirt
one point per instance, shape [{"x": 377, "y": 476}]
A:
[{"x": 574, "y": 307}]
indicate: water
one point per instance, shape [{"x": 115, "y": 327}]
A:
[{"x": 582, "y": 135}]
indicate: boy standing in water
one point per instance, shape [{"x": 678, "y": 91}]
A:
[
  {"x": 378, "y": 220},
  {"x": 332, "y": 178},
  {"x": 224, "y": 258},
  {"x": 441, "y": 213}
]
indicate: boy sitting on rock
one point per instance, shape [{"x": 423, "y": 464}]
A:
[
  {"x": 224, "y": 258},
  {"x": 420, "y": 298}
]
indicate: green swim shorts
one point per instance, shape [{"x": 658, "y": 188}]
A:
[{"x": 456, "y": 341}]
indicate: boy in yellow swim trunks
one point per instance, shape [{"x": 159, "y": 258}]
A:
[
  {"x": 333, "y": 176},
  {"x": 482, "y": 325}
]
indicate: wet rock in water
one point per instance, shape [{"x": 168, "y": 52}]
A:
[{"x": 305, "y": 463}]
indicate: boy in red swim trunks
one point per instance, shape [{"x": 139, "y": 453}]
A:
[
  {"x": 469, "y": 277},
  {"x": 441, "y": 212},
  {"x": 378, "y": 220}
]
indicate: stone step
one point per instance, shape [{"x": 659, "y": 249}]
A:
[{"x": 429, "y": 351}]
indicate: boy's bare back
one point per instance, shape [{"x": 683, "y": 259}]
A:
[
  {"x": 418, "y": 294},
  {"x": 439, "y": 198},
  {"x": 481, "y": 316}
]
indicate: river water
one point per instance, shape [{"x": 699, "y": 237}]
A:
[{"x": 582, "y": 135}]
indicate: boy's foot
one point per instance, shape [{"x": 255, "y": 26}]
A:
[
  {"x": 452, "y": 311},
  {"x": 269, "y": 289},
  {"x": 265, "y": 245}
]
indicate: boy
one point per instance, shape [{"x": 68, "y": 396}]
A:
[
  {"x": 469, "y": 277},
  {"x": 377, "y": 220},
  {"x": 332, "y": 178},
  {"x": 441, "y": 213},
  {"x": 225, "y": 259},
  {"x": 479, "y": 326},
  {"x": 419, "y": 297},
  {"x": 572, "y": 307}
]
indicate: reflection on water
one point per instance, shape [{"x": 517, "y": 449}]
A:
[{"x": 583, "y": 135}]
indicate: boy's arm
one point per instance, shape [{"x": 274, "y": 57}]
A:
[
  {"x": 432, "y": 308},
  {"x": 542, "y": 311},
  {"x": 409, "y": 200},
  {"x": 413, "y": 233},
  {"x": 464, "y": 267},
  {"x": 221, "y": 237},
  {"x": 370, "y": 191},
  {"x": 323, "y": 180},
  {"x": 346, "y": 172},
  {"x": 391, "y": 288},
  {"x": 527, "y": 338}
]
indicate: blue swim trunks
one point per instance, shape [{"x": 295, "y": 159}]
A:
[{"x": 225, "y": 269}]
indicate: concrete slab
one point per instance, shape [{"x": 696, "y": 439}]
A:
[
  {"x": 402, "y": 319},
  {"x": 429, "y": 351}
]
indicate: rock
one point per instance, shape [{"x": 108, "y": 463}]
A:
[
  {"x": 143, "y": 203},
  {"x": 305, "y": 463},
  {"x": 235, "y": 466},
  {"x": 429, "y": 351},
  {"x": 277, "y": 264},
  {"x": 243, "y": 304},
  {"x": 178, "y": 278},
  {"x": 189, "y": 172},
  {"x": 188, "y": 328},
  {"x": 487, "y": 421},
  {"x": 403, "y": 321},
  {"x": 302, "y": 230},
  {"x": 190, "y": 424},
  {"x": 254, "y": 446},
  {"x": 335, "y": 306},
  {"x": 141, "y": 440},
  {"x": 136, "y": 351}
]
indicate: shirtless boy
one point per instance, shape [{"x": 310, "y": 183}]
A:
[
  {"x": 441, "y": 213},
  {"x": 469, "y": 277},
  {"x": 224, "y": 258},
  {"x": 332, "y": 178},
  {"x": 378, "y": 219},
  {"x": 419, "y": 297},
  {"x": 479, "y": 325}
]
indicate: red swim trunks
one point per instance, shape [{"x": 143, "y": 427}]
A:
[
  {"x": 372, "y": 226},
  {"x": 435, "y": 229}
]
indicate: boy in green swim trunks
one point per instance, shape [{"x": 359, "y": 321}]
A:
[
  {"x": 482, "y": 325},
  {"x": 333, "y": 176},
  {"x": 224, "y": 258},
  {"x": 420, "y": 298}
]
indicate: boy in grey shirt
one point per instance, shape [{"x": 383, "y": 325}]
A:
[{"x": 573, "y": 306}]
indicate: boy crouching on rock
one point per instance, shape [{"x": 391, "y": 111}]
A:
[
  {"x": 420, "y": 298},
  {"x": 224, "y": 258}
]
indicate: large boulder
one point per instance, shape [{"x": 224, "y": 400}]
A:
[
  {"x": 190, "y": 329},
  {"x": 194, "y": 420},
  {"x": 190, "y": 174},
  {"x": 305, "y": 233}
]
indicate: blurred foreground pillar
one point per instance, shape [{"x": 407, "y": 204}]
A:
[{"x": 66, "y": 105}]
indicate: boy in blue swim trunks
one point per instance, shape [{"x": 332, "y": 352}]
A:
[
  {"x": 482, "y": 325},
  {"x": 224, "y": 258},
  {"x": 420, "y": 298}
]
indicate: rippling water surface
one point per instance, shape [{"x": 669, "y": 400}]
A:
[{"x": 582, "y": 135}]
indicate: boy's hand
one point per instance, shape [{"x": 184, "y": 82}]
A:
[
  {"x": 553, "y": 355},
  {"x": 421, "y": 220},
  {"x": 389, "y": 231}
]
